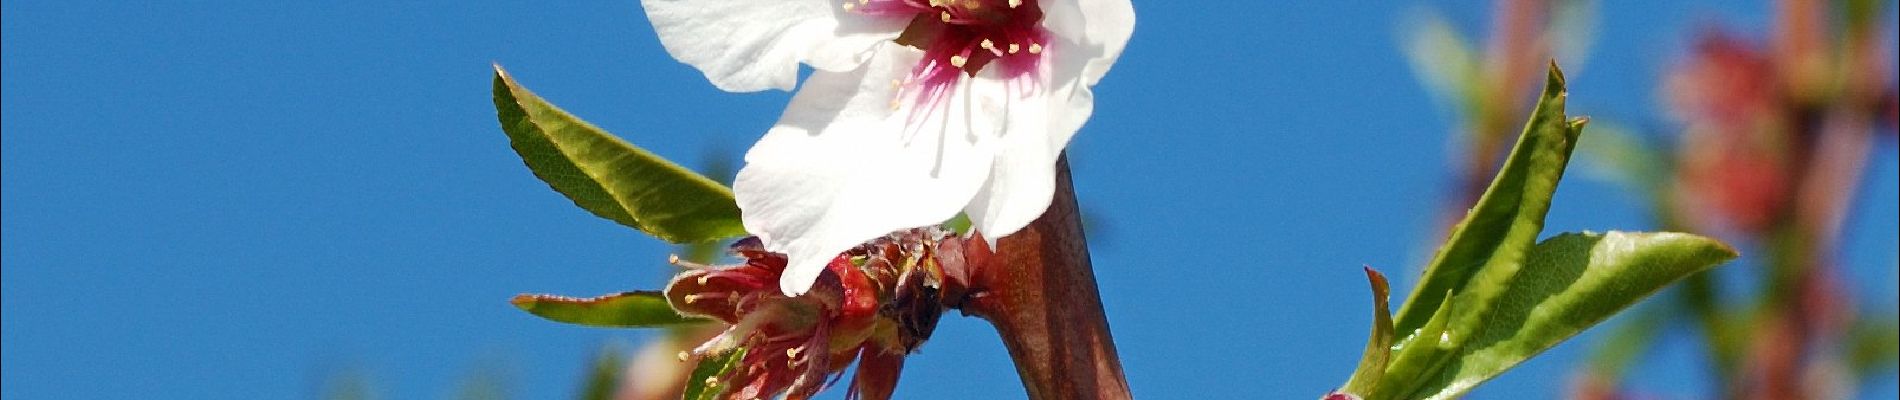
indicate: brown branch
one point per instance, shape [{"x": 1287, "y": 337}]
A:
[{"x": 1039, "y": 291}]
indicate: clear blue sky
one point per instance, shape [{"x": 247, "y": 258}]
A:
[{"x": 237, "y": 199}]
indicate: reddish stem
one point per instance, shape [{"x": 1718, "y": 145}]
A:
[
  {"x": 1039, "y": 291},
  {"x": 1513, "y": 66}
]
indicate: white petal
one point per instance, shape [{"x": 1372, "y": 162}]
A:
[
  {"x": 843, "y": 166},
  {"x": 1100, "y": 27},
  {"x": 753, "y": 45},
  {"x": 853, "y": 37},
  {"x": 1040, "y": 122},
  {"x": 1066, "y": 101},
  {"x": 1089, "y": 35}
]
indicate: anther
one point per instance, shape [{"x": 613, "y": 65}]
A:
[
  {"x": 1035, "y": 48},
  {"x": 958, "y": 61}
]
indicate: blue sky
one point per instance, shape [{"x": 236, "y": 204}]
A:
[{"x": 230, "y": 199}]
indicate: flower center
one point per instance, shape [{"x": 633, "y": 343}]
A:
[{"x": 964, "y": 36}]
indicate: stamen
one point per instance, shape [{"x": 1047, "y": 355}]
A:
[
  {"x": 704, "y": 296},
  {"x": 682, "y": 263},
  {"x": 991, "y": 46},
  {"x": 964, "y": 32}
]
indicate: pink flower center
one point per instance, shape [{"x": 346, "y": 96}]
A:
[{"x": 963, "y": 36}]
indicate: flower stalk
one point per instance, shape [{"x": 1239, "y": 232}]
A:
[{"x": 1038, "y": 289}]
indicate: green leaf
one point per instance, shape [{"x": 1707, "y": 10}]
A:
[
  {"x": 1424, "y": 351},
  {"x": 1492, "y": 296},
  {"x": 1569, "y": 283},
  {"x": 1616, "y": 154},
  {"x": 611, "y": 178},
  {"x": 603, "y": 377},
  {"x": 1379, "y": 346},
  {"x": 1505, "y": 222},
  {"x": 959, "y": 224},
  {"x": 1624, "y": 345},
  {"x": 1572, "y": 29},
  {"x": 489, "y": 381},
  {"x": 641, "y": 309},
  {"x": 1443, "y": 59},
  {"x": 1873, "y": 346},
  {"x": 351, "y": 383},
  {"x": 705, "y": 384}
]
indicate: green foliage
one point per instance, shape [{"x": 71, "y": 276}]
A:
[
  {"x": 1873, "y": 346},
  {"x": 353, "y": 383},
  {"x": 1379, "y": 345},
  {"x": 611, "y": 178},
  {"x": 1624, "y": 345},
  {"x": 1574, "y": 281},
  {"x": 638, "y": 309},
  {"x": 1492, "y": 296},
  {"x": 489, "y": 381},
  {"x": 1494, "y": 236},
  {"x": 603, "y": 378},
  {"x": 705, "y": 384},
  {"x": 1444, "y": 59},
  {"x": 959, "y": 224}
]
